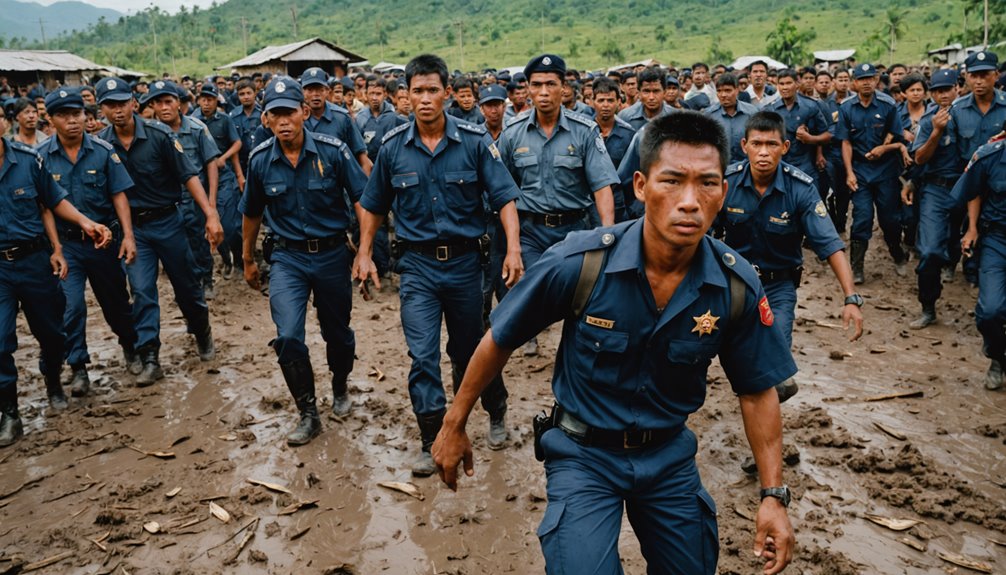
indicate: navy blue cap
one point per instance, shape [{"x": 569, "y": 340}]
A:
[
  {"x": 348, "y": 84},
  {"x": 503, "y": 76},
  {"x": 209, "y": 89},
  {"x": 162, "y": 88},
  {"x": 546, "y": 63},
  {"x": 943, "y": 79},
  {"x": 673, "y": 80},
  {"x": 981, "y": 61},
  {"x": 863, "y": 71},
  {"x": 113, "y": 89},
  {"x": 313, "y": 76},
  {"x": 491, "y": 93},
  {"x": 519, "y": 77},
  {"x": 37, "y": 92},
  {"x": 183, "y": 93},
  {"x": 62, "y": 99},
  {"x": 283, "y": 92}
]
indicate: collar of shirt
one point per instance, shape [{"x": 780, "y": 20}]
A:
[
  {"x": 53, "y": 146},
  {"x": 747, "y": 182},
  {"x": 450, "y": 132},
  {"x": 562, "y": 123},
  {"x": 628, "y": 255},
  {"x": 277, "y": 155}
]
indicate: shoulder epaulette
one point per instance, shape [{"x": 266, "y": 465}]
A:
[
  {"x": 326, "y": 138},
  {"x": 987, "y": 150},
  {"x": 734, "y": 262},
  {"x": 736, "y": 168},
  {"x": 22, "y": 147},
  {"x": 602, "y": 238},
  {"x": 397, "y": 130},
  {"x": 885, "y": 97},
  {"x": 199, "y": 123},
  {"x": 747, "y": 108},
  {"x": 581, "y": 118},
  {"x": 266, "y": 144},
  {"x": 338, "y": 109},
  {"x": 473, "y": 128},
  {"x": 519, "y": 117},
  {"x": 623, "y": 123},
  {"x": 102, "y": 143},
  {"x": 798, "y": 174},
  {"x": 158, "y": 125}
]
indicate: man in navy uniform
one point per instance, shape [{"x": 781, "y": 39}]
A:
[
  {"x": 93, "y": 175},
  {"x": 158, "y": 166},
  {"x": 246, "y": 117},
  {"x": 298, "y": 181},
  {"x": 378, "y": 118},
  {"x": 732, "y": 114},
  {"x": 434, "y": 174},
  {"x": 663, "y": 300},
  {"x": 806, "y": 127},
  {"x": 327, "y": 118},
  {"x": 652, "y": 85}
]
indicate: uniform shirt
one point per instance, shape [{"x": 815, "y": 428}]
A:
[
  {"x": 223, "y": 132},
  {"x": 985, "y": 176},
  {"x": 581, "y": 108},
  {"x": 156, "y": 163},
  {"x": 336, "y": 123},
  {"x": 198, "y": 144},
  {"x": 803, "y": 112},
  {"x": 25, "y": 183},
  {"x": 734, "y": 125},
  {"x": 624, "y": 364},
  {"x": 866, "y": 127},
  {"x": 374, "y": 128},
  {"x": 93, "y": 180},
  {"x": 557, "y": 173},
  {"x": 769, "y": 95},
  {"x": 625, "y": 196},
  {"x": 618, "y": 139},
  {"x": 245, "y": 125},
  {"x": 438, "y": 194},
  {"x": 768, "y": 230},
  {"x": 971, "y": 129},
  {"x": 307, "y": 201},
  {"x": 473, "y": 116},
  {"x": 946, "y": 161},
  {"x": 829, "y": 108},
  {"x": 636, "y": 116}
]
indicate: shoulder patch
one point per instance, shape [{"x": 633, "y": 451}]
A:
[
  {"x": 735, "y": 262},
  {"x": 983, "y": 152},
  {"x": 102, "y": 143},
  {"x": 395, "y": 132},
  {"x": 620, "y": 122},
  {"x": 326, "y": 138},
  {"x": 797, "y": 173},
  {"x": 260, "y": 147},
  {"x": 580, "y": 118},
  {"x": 596, "y": 239},
  {"x": 473, "y": 128}
]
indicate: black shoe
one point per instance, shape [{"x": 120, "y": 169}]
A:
[
  {"x": 228, "y": 271},
  {"x": 204, "y": 344},
  {"x": 299, "y": 378},
  {"x": 429, "y": 427},
  {"x": 54, "y": 389},
  {"x": 341, "y": 405},
  {"x": 11, "y": 428},
  {"x": 994, "y": 376},
  {"x": 927, "y": 318},
  {"x": 151, "y": 371},
  {"x": 81, "y": 383},
  {"x": 133, "y": 362},
  {"x": 307, "y": 428}
]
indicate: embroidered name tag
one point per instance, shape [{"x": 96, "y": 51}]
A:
[
  {"x": 605, "y": 323},
  {"x": 735, "y": 210}
]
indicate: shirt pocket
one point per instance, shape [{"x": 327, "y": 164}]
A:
[
  {"x": 602, "y": 352},
  {"x": 462, "y": 190},
  {"x": 277, "y": 197},
  {"x": 25, "y": 201},
  {"x": 407, "y": 191},
  {"x": 739, "y": 228},
  {"x": 783, "y": 238},
  {"x": 687, "y": 364},
  {"x": 568, "y": 172}
]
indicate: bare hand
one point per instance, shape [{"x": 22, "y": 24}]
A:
[
  {"x": 252, "y": 275},
  {"x": 214, "y": 231},
  {"x": 449, "y": 450},
  {"x": 513, "y": 268},
  {"x": 968, "y": 241},
  {"x": 365, "y": 270},
  {"x": 821, "y": 162},
  {"x": 774, "y": 539},
  {"x": 802, "y": 134},
  {"x": 58, "y": 263},
  {"x": 851, "y": 183},
  {"x": 941, "y": 119},
  {"x": 852, "y": 314},
  {"x": 907, "y": 194},
  {"x": 101, "y": 235},
  {"x": 221, "y": 163},
  {"x": 127, "y": 249},
  {"x": 875, "y": 153},
  {"x": 906, "y": 158}
]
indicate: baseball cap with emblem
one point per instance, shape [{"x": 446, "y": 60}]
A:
[
  {"x": 114, "y": 90},
  {"x": 162, "y": 88},
  {"x": 492, "y": 92},
  {"x": 863, "y": 71},
  {"x": 313, "y": 76},
  {"x": 981, "y": 61},
  {"x": 209, "y": 89},
  {"x": 283, "y": 92},
  {"x": 944, "y": 78},
  {"x": 546, "y": 63},
  {"x": 63, "y": 99}
]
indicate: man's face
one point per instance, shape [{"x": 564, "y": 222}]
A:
[
  {"x": 315, "y": 97},
  {"x": 465, "y": 99},
  {"x": 361, "y": 84},
  {"x": 287, "y": 123},
  {"x": 207, "y": 105},
  {"x": 520, "y": 94},
  {"x": 375, "y": 97},
  {"x": 865, "y": 87},
  {"x": 683, "y": 191},
  {"x": 630, "y": 87},
  {"x": 727, "y": 95},
  {"x": 787, "y": 88},
  {"x": 742, "y": 83},
  {"x": 117, "y": 113},
  {"x": 221, "y": 84},
  {"x": 896, "y": 74},
  {"x": 651, "y": 94},
  {"x": 606, "y": 105},
  {"x": 69, "y": 123},
  {"x": 764, "y": 151},
  {"x": 87, "y": 96},
  {"x": 493, "y": 112},
  {"x": 982, "y": 83},
  {"x": 166, "y": 108},
  {"x": 247, "y": 97},
  {"x": 807, "y": 82},
  {"x": 672, "y": 93},
  {"x": 28, "y": 118},
  {"x": 546, "y": 91},
  {"x": 822, "y": 86},
  {"x": 915, "y": 93},
  {"x": 427, "y": 94},
  {"x": 567, "y": 94},
  {"x": 700, "y": 76},
  {"x": 944, "y": 96},
  {"x": 842, "y": 82},
  {"x": 402, "y": 103},
  {"x": 91, "y": 124},
  {"x": 335, "y": 94}
]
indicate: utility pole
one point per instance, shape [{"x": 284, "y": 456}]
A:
[
  {"x": 461, "y": 42},
  {"x": 244, "y": 34},
  {"x": 41, "y": 26},
  {"x": 153, "y": 29},
  {"x": 985, "y": 40},
  {"x": 543, "y": 31},
  {"x": 293, "y": 10}
]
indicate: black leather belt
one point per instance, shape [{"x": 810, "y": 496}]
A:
[
  {"x": 791, "y": 274},
  {"x": 444, "y": 250},
  {"x": 609, "y": 438},
  {"x": 554, "y": 220},
  {"x": 940, "y": 181},
  {"x": 18, "y": 250},
  {"x": 73, "y": 234},
  {"x": 146, "y": 216},
  {"x": 313, "y": 245}
]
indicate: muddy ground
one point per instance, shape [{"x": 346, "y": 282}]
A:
[{"x": 78, "y": 487}]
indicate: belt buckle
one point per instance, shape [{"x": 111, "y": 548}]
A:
[
  {"x": 553, "y": 220},
  {"x": 312, "y": 246},
  {"x": 8, "y": 254},
  {"x": 644, "y": 438},
  {"x": 443, "y": 253}
]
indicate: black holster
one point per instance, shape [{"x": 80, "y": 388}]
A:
[
  {"x": 540, "y": 424},
  {"x": 397, "y": 249},
  {"x": 268, "y": 245},
  {"x": 485, "y": 248}
]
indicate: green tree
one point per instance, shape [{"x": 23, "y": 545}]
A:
[
  {"x": 610, "y": 51},
  {"x": 788, "y": 44},
  {"x": 719, "y": 53},
  {"x": 892, "y": 30}
]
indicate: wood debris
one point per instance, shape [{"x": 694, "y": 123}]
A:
[
  {"x": 962, "y": 561},
  {"x": 173, "y": 492},
  {"x": 917, "y": 545},
  {"x": 270, "y": 486},
  {"x": 899, "y": 395},
  {"x": 893, "y": 524},
  {"x": 157, "y": 454},
  {"x": 295, "y": 507},
  {"x": 890, "y": 431},
  {"x": 375, "y": 372},
  {"x": 249, "y": 535},
  {"x": 403, "y": 487},
  {"x": 220, "y": 513},
  {"x": 56, "y": 559}
]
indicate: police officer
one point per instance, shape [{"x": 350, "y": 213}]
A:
[
  {"x": 652, "y": 85},
  {"x": 732, "y": 114},
  {"x": 29, "y": 275},
  {"x": 835, "y": 176},
  {"x": 871, "y": 133},
  {"x": 632, "y": 366},
  {"x": 165, "y": 98},
  {"x": 378, "y": 118},
  {"x": 432, "y": 173},
  {"x": 770, "y": 208},
  {"x": 296, "y": 181},
  {"x": 492, "y": 103},
  {"x": 806, "y": 128},
  {"x": 246, "y": 118},
  {"x": 230, "y": 176},
  {"x": 158, "y": 166},
  {"x": 617, "y": 134},
  {"x": 329, "y": 119},
  {"x": 95, "y": 179},
  {"x": 465, "y": 108},
  {"x": 940, "y": 214}
]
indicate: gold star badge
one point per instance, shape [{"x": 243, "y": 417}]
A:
[{"x": 705, "y": 323}]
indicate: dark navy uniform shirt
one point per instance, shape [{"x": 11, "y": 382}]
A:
[
  {"x": 375, "y": 128},
  {"x": 946, "y": 161},
  {"x": 198, "y": 144},
  {"x": 804, "y": 112},
  {"x": 624, "y": 364},
  {"x": 866, "y": 127},
  {"x": 618, "y": 139},
  {"x": 25, "y": 184},
  {"x": 733, "y": 125},
  {"x": 245, "y": 125},
  {"x": 768, "y": 230},
  {"x": 985, "y": 176},
  {"x": 93, "y": 180},
  {"x": 223, "y": 132},
  {"x": 156, "y": 163},
  {"x": 473, "y": 116},
  {"x": 307, "y": 201},
  {"x": 636, "y": 117},
  {"x": 972, "y": 129},
  {"x": 438, "y": 194},
  {"x": 336, "y": 123}
]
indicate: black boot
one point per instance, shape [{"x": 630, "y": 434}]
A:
[
  {"x": 151, "y": 366},
  {"x": 927, "y": 318},
  {"x": 341, "y": 405},
  {"x": 857, "y": 254},
  {"x": 498, "y": 434},
  {"x": 786, "y": 390},
  {"x": 10, "y": 422},
  {"x": 204, "y": 344},
  {"x": 133, "y": 362},
  {"x": 81, "y": 383},
  {"x": 300, "y": 381},
  {"x": 54, "y": 388},
  {"x": 429, "y": 427},
  {"x": 994, "y": 376}
]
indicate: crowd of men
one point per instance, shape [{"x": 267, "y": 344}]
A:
[{"x": 592, "y": 199}]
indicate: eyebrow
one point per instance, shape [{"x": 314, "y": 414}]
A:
[{"x": 678, "y": 173}]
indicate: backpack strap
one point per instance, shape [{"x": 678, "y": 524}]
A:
[
  {"x": 590, "y": 270},
  {"x": 737, "y": 296}
]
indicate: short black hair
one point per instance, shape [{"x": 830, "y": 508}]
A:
[
  {"x": 761, "y": 63},
  {"x": 912, "y": 79},
  {"x": 462, "y": 83},
  {"x": 21, "y": 104},
  {"x": 626, "y": 76},
  {"x": 842, "y": 70},
  {"x": 603, "y": 85},
  {"x": 726, "y": 79},
  {"x": 91, "y": 110},
  {"x": 378, "y": 81},
  {"x": 653, "y": 74},
  {"x": 242, "y": 84},
  {"x": 686, "y": 127},
  {"x": 893, "y": 66},
  {"x": 789, "y": 73},
  {"x": 823, "y": 73},
  {"x": 426, "y": 64},
  {"x": 808, "y": 70},
  {"x": 766, "y": 121},
  {"x": 697, "y": 65}
]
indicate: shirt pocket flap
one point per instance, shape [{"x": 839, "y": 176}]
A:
[
  {"x": 25, "y": 193},
  {"x": 526, "y": 160},
  {"x": 465, "y": 177},
  {"x": 599, "y": 339},
  {"x": 275, "y": 189},
  {"x": 405, "y": 180},
  {"x": 570, "y": 162},
  {"x": 690, "y": 352}
]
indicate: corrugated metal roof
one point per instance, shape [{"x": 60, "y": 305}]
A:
[
  {"x": 287, "y": 52},
  {"x": 43, "y": 61}
]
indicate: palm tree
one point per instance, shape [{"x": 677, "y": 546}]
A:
[{"x": 894, "y": 29}]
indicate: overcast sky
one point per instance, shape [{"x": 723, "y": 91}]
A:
[{"x": 131, "y": 6}]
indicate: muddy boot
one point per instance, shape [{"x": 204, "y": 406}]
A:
[
  {"x": 901, "y": 268},
  {"x": 429, "y": 427},
  {"x": 948, "y": 273},
  {"x": 300, "y": 381},
  {"x": 994, "y": 376},
  {"x": 151, "y": 371},
  {"x": 204, "y": 344},
  {"x": 749, "y": 466},
  {"x": 530, "y": 348},
  {"x": 80, "y": 384},
  {"x": 857, "y": 254},
  {"x": 498, "y": 435},
  {"x": 133, "y": 362},
  {"x": 341, "y": 405},
  {"x": 927, "y": 318},
  {"x": 54, "y": 389},
  {"x": 10, "y": 422},
  {"x": 786, "y": 390}
]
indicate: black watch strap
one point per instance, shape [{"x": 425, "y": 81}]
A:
[
  {"x": 855, "y": 299},
  {"x": 780, "y": 493}
]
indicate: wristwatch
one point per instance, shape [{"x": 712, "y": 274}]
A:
[
  {"x": 780, "y": 493},
  {"x": 855, "y": 299}
]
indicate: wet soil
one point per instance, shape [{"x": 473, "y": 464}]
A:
[{"x": 81, "y": 486}]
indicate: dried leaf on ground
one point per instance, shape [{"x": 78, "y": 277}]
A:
[
  {"x": 270, "y": 486},
  {"x": 894, "y": 524},
  {"x": 403, "y": 487},
  {"x": 219, "y": 512}
]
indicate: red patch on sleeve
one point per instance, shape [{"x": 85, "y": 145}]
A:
[{"x": 767, "y": 318}]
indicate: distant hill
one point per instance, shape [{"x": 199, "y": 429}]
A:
[
  {"x": 591, "y": 34},
  {"x": 21, "y": 19}
]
